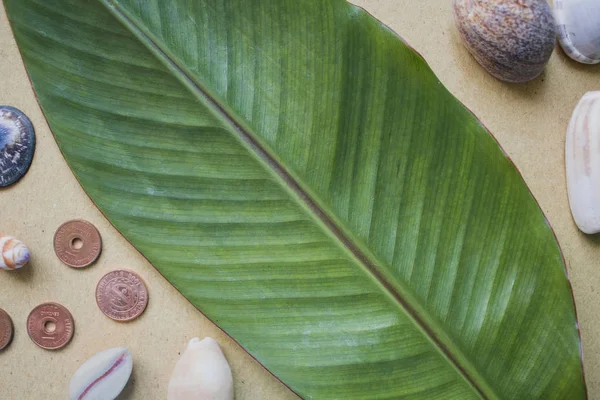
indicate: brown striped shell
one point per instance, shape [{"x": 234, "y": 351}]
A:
[
  {"x": 511, "y": 39},
  {"x": 14, "y": 253}
]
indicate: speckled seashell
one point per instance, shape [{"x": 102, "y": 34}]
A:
[
  {"x": 202, "y": 373},
  {"x": 511, "y": 39},
  {"x": 14, "y": 253},
  {"x": 579, "y": 29},
  {"x": 103, "y": 376},
  {"x": 582, "y": 157}
]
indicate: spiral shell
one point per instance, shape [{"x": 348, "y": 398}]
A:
[
  {"x": 579, "y": 29},
  {"x": 14, "y": 253}
]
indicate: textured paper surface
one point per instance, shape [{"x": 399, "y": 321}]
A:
[{"x": 530, "y": 122}]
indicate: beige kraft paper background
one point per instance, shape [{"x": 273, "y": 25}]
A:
[{"x": 529, "y": 121}]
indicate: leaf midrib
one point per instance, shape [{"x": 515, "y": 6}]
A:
[{"x": 331, "y": 226}]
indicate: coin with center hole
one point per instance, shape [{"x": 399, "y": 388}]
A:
[
  {"x": 17, "y": 144},
  {"x": 122, "y": 295},
  {"x": 50, "y": 326},
  {"x": 6, "y": 329},
  {"x": 77, "y": 243}
]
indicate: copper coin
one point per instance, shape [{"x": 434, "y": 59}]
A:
[
  {"x": 77, "y": 243},
  {"x": 50, "y": 326},
  {"x": 6, "y": 329},
  {"x": 122, "y": 295}
]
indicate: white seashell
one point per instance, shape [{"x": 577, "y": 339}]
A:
[
  {"x": 202, "y": 373},
  {"x": 103, "y": 376},
  {"x": 13, "y": 253},
  {"x": 582, "y": 158},
  {"x": 578, "y": 24}
]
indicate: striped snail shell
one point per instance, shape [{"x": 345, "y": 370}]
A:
[{"x": 14, "y": 253}]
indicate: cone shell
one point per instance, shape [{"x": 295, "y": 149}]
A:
[
  {"x": 578, "y": 24},
  {"x": 14, "y": 253},
  {"x": 103, "y": 376},
  {"x": 582, "y": 158},
  {"x": 202, "y": 373}
]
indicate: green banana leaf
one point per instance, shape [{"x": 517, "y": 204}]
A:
[{"x": 304, "y": 179}]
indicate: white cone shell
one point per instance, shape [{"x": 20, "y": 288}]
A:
[
  {"x": 13, "y": 253},
  {"x": 202, "y": 373},
  {"x": 579, "y": 29},
  {"x": 582, "y": 158},
  {"x": 103, "y": 376}
]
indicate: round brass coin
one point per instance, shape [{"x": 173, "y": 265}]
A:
[
  {"x": 122, "y": 295},
  {"x": 77, "y": 243},
  {"x": 50, "y": 326},
  {"x": 6, "y": 329}
]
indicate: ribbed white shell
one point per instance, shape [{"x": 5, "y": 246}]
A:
[
  {"x": 579, "y": 29},
  {"x": 202, "y": 373},
  {"x": 103, "y": 376},
  {"x": 582, "y": 158},
  {"x": 13, "y": 253}
]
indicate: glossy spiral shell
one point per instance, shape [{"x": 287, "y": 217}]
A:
[
  {"x": 14, "y": 253},
  {"x": 579, "y": 29}
]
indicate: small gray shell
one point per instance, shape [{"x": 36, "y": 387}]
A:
[
  {"x": 17, "y": 145},
  {"x": 513, "y": 40}
]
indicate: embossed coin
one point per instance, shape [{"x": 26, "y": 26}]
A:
[
  {"x": 77, "y": 243},
  {"x": 122, "y": 295},
  {"x": 50, "y": 326},
  {"x": 17, "y": 144},
  {"x": 6, "y": 329}
]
